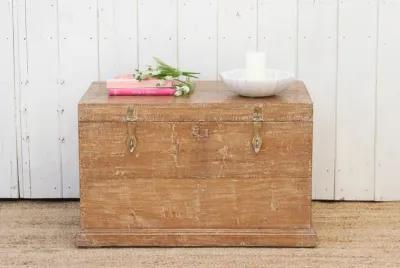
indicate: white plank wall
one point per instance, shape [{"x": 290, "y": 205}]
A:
[
  {"x": 346, "y": 51},
  {"x": 232, "y": 42},
  {"x": 21, "y": 73},
  {"x": 78, "y": 67},
  {"x": 387, "y": 176},
  {"x": 277, "y": 33},
  {"x": 317, "y": 43},
  {"x": 118, "y": 37},
  {"x": 198, "y": 36},
  {"x": 39, "y": 102},
  {"x": 356, "y": 100},
  {"x": 8, "y": 141},
  {"x": 158, "y": 31}
]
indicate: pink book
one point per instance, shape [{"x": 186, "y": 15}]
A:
[
  {"x": 149, "y": 91},
  {"x": 127, "y": 81}
]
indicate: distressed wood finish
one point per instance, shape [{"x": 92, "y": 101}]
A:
[
  {"x": 212, "y": 102},
  {"x": 205, "y": 237},
  {"x": 192, "y": 177},
  {"x": 196, "y": 203},
  {"x": 196, "y": 150}
]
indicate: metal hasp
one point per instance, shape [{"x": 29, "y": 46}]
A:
[
  {"x": 257, "y": 125},
  {"x": 131, "y": 118}
]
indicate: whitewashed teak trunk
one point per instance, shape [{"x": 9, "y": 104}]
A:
[
  {"x": 345, "y": 51},
  {"x": 209, "y": 169}
]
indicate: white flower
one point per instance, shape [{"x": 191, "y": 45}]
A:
[
  {"x": 178, "y": 93},
  {"x": 185, "y": 89},
  {"x": 147, "y": 72},
  {"x": 146, "y": 76},
  {"x": 168, "y": 77},
  {"x": 156, "y": 72}
]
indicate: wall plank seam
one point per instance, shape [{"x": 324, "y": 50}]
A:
[
  {"x": 336, "y": 96},
  {"x": 296, "y": 73},
  {"x": 98, "y": 38},
  {"x": 376, "y": 94},
  {"x": 16, "y": 112},
  {"x": 59, "y": 104}
]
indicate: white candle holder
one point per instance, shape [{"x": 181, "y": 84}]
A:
[{"x": 273, "y": 82}]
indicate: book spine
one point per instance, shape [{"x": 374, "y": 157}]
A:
[
  {"x": 155, "y": 91},
  {"x": 132, "y": 83}
]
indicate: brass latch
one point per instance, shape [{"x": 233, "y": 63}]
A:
[
  {"x": 131, "y": 114},
  {"x": 131, "y": 118},
  {"x": 257, "y": 126}
]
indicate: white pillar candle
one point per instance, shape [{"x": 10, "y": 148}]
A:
[{"x": 255, "y": 65}]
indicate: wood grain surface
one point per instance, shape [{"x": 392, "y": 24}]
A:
[
  {"x": 192, "y": 203},
  {"x": 211, "y": 101},
  {"x": 196, "y": 238},
  {"x": 195, "y": 150}
]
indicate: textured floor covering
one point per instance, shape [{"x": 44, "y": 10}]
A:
[{"x": 40, "y": 234}]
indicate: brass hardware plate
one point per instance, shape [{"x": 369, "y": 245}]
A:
[
  {"x": 257, "y": 141},
  {"x": 131, "y": 117},
  {"x": 257, "y": 114},
  {"x": 131, "y": 114},
  {"x": 131, "y": 140}
]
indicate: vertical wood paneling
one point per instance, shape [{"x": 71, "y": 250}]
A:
[
  {"x": 237, "y": 32},
  {"x": 39, "y": 102},
  {"x": 198, "y": 37},
  {"x": 8, "y": 153},
  {"x": 21, "y": 75},
  {"x": 278, "y": 33},
  {"x": 317, "y": 67},
  {"x": 78, "y": 68},
  {"x": 118, "y": 37},
  {"x": 61, "y": 46},
  {"x": 356, "y": 100},
  {"x": 157, "y": 22},
  {"x": 387, "y": 181}
]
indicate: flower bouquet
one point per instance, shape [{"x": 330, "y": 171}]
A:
[{"x": 160, "y": 80}]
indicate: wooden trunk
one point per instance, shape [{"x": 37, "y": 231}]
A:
[{"x": 212, "y": 169}]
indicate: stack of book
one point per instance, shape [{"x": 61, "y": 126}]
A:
[{"x": 127, "y": 85}]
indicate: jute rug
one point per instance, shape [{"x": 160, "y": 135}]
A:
[{"x": 41, "y": 234}]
